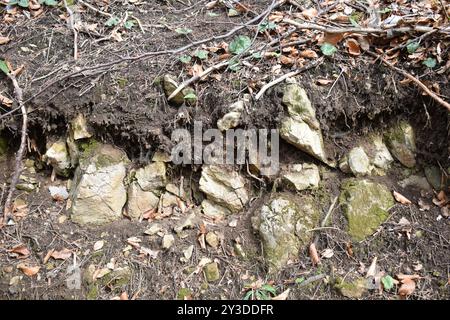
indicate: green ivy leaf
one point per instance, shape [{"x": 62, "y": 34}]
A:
[
  {"x": 201, "y": 54},
  {"x": 267, "y": 26},
  {"x": 240, "y": 44},
  {"x": 212, "y": 14},
  {"x": 234, "y": 65},
  {"x": 430, "y": 63},
  {"x": 185, "y": 59},
  {"x": 328, "y": 49},
  {"x": 129, "y": 24},
  {"x": 385, "y": 10},
  {"x": 52, "y": 3},
  {"x": 113, "y": 21},
  {"x": 352, "y": 20},
  {"x": 183, "y": 31},
  {"x": 388, "y": 282},
  {"x": 23, "y": 3},
  {"x": 261, "y": 295},
  {"x": 269, "y": 288},
  {"x": 248, "y": 295},
  {"x": 190, "y": 96},
  {"x": 412, "y": 47},
  {"x": 4, "y": 67},
  {"x": 257, "y": 55}
]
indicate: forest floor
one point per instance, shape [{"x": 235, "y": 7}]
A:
[{"x": 106, "y": 60}]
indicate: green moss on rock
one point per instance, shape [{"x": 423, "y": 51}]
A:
[
  {"x": 351, "y": 289},
  {"x": 365, "y": 206},
  {"x": 401, "y": 142}
]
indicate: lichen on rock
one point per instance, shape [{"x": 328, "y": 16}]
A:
[{"x": 401, "y": 141}]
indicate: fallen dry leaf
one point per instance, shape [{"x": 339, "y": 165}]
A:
[
  {"x": 310, "y": 13},
  {"x": 407, "y": 288},
  {"x": 5, "y": 101},
  {"x": 327, "y": 253},
  {"x": 324, "y": 82},
  {"x": 283, "y": 295},
  {"x": 401, "y": 198},
  {"x": 308, "y": 54},
  {"x": 423, "y": 206},
  {"x": 402, "y": 277},
  {"x": 332, "y": 38},
  {"x": 124, "y": 296},
  {"x": 21, "y": 250},
  {"x": 371, "y": 272},
  {"x": 313, "y": 254},
  {"x": 201, "y": 241},
  {"x": 28, "y": 270},
  {"x": 4, "y": 40},
  {"x": 353, "y": 47},
  {"x": 286, "y": 60},
  {"x": 61, "y": 255},
  {"x": 98, "y": 245}
]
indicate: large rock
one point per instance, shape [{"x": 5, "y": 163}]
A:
[
  {"x": 99, "y": 193},
  {"x": 301, "y": 128},
  {"x": 282, "y": 224},
  {"x": 401, "y": 141},
  {"x": 224, "y": 186},
  {"x": 152, "y": 176},
  {"x": 365, "y": 205},
  {"x": 301, "y": 176},
  {"x": 140, "y": 201},
  {"x": 58, "y": 157}
]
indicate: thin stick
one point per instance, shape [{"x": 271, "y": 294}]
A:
[
  {"x": 18, "y": 166},
  {"x": 197, "y": 78},
  {"x": 311, "y": 26},
  {"x": 325, "y": 219},
  {"x": 286, "y": 76},
  {"x": 94, "y": 9},
  {"x": 413, "y": 79},
  {"x": 74, "y": 30}
]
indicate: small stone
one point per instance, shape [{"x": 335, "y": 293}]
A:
[
  {"x": 160, "y": 156},
  {"x": 169, "y": 86},
  {"x": 140, "y": 201},
  {"x": 381, "y": 158},
  {"x": 359, "y": 162},
  {"x": 28, "y": 187},
  {"x": 184, "y": 294},
  {"x": 153, "y": 229},
  {"x": 188, "y": 223},
  {"x": 212, "y": 239},
  {"x": 167, "y": 241},
  {"x": 239, "y": 251},
  {"x": 187, "y": 253},
  {"x": 302, "y": 176},
  {"x": 62, "y": 219},
  {"x": 79, "y": 128},
  {"x": 14, "y": 281},
  {"x": 232, "y": 118},
  {"x": 58, "y": 193},
  {"x": 212, "y": 272},
  {"x": 416, "y": 182}
]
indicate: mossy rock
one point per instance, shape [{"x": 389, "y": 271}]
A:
[
  {"x": 401, "y": 142},
  {"x": 365, "y": 205},
  {"x": 351, "y": 289},
  {"x": 184, "y": 293},
  {"x": 282, "y": 224}
]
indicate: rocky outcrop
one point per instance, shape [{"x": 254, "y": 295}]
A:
[
  {"x": 224, "y": 187},
  {"x": 282, "y": 224},
  {"x": 365, "y": 205},
  {"x": 301, "y": 128},
  {"x": 99, "y": 195}
]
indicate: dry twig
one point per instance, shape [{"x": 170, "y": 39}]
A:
[{"x": 74, "y": 30}]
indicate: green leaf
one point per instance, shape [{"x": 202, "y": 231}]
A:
[
  {"x": 430, "y": 63},
  {"x": 388, "y": 282},
  {"x": 267, "y": 26},
  {"x": 183, "y": 31},
  {"x": 4, "y": 66},
  {"x": 269, "y": 288},
  {"x": 248, "y": 295},
  {"x": 328, "y": 49},
  {"x": 212, "y": 14},
  {"x": 23, "y": 3},
  {"x": 185, "y": 59},
  {"x": 113, "y": 21},
  {"x": 299, "y": 280},
  {"x": 52, "y": 3},
  {"x": 233, "y": 12},
  {"x": 385, "y": 10},
  {"x": 240, "y": 44},
  {"x": 352, "y": 20},
  {"x": 412, "y": 47},
  {"x": 257, "y": 55},
  {"x": 190, "y": 96},
  {"x": 234, "y": 65},
  {"x": 261, "y": 295},
  {"x": 129, "y": 24},
  {"x": 201, "y": 54}
]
